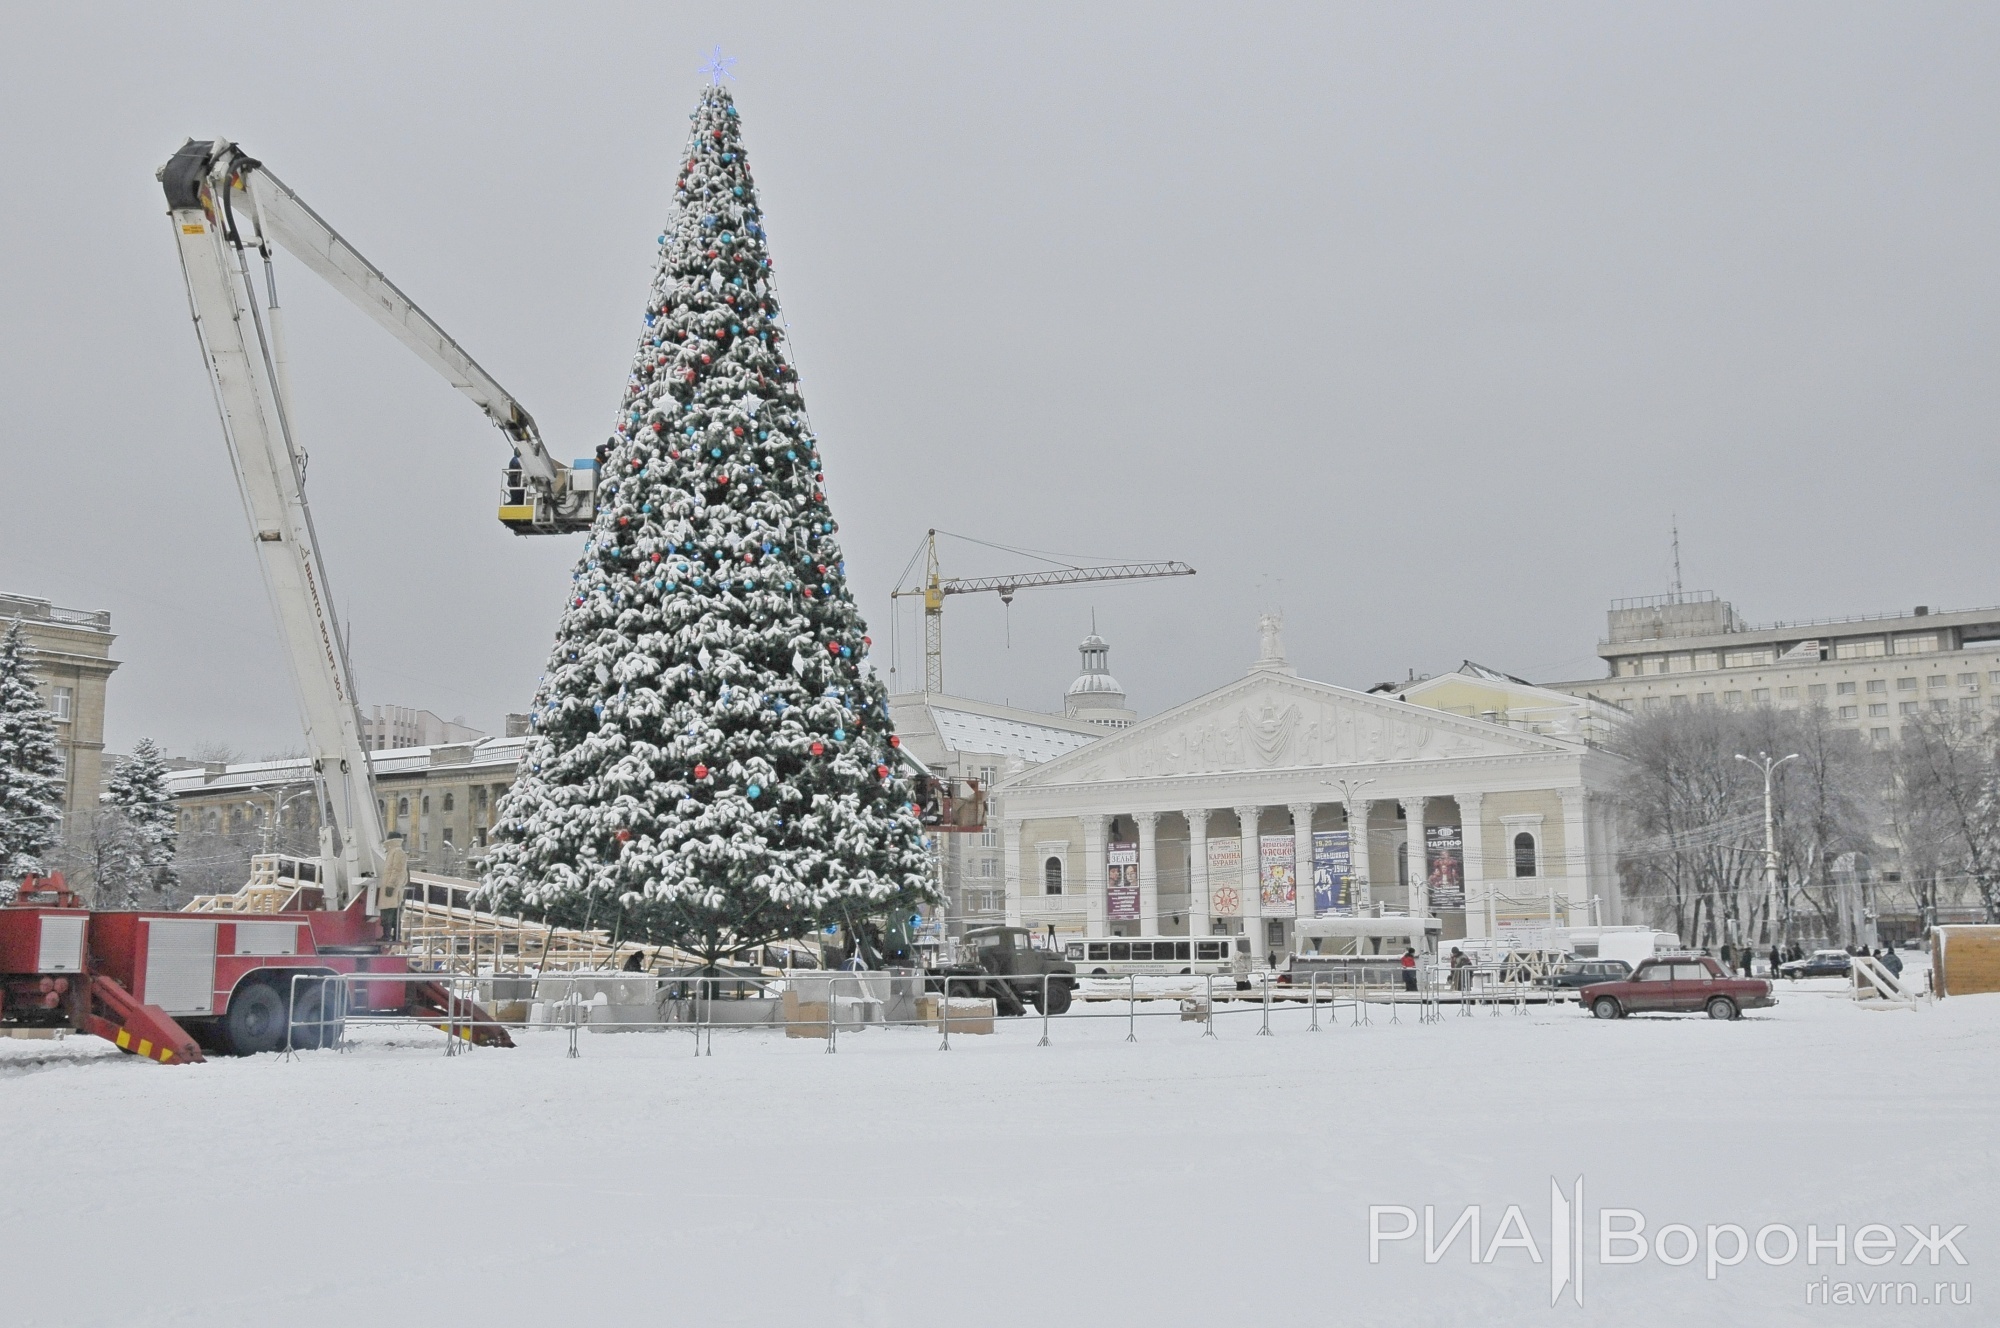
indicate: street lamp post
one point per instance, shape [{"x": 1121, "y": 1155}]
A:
[
  {"x": 1769, "y": 766},
  {"x": 278, "y": 806}
]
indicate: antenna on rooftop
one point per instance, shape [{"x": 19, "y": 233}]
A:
[{"x": 1677, "y": 558}]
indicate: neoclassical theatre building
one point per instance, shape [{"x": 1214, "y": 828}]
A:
[{"x": 1472, "y": 796}]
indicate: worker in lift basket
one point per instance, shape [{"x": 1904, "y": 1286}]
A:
[{"x": 1409, "y": 969}]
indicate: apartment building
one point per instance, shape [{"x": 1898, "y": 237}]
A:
[
  {"x": 389, "y": 728},
  {"x": 1874, "y": 673},
  {"x": 72, "y": 665},
  {"x": 441, "y": 799}
]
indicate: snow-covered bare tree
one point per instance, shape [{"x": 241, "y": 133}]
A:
[
  {"x": 1692, "y": 817},
  {"x": 1694, "y": 820},
  {"x": 1947, "y": 808}
]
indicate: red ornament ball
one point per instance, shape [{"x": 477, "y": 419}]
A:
[
  {"x": 834, "y": 646},
  {"x": 624, "y": 835},
  {"x": 895, "y": 741},
  {"x": 817, "y": 748},
  {"x": 701, "y": 772},
  {"x": 882, "y": 771}
]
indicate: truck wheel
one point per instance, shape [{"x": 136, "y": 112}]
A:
[
  {"x": 1606, "y": 1007},
  {"x": 1058, "y": 998},
  {"x": 1722, "y": 1008},
  {"x": 322, "y": 1010},
  {"x": 255, "y": 1021}
]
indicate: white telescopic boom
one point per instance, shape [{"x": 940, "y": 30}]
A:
[
  {"x": 269, "y": 465},
  {"x": 224, "y": 204}
]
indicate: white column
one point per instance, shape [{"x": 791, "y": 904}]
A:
[
  {"x": 1253, "y": 894},
  {"x": 1197, "y": 821},
  {"x": 1302, "y": 857},
  {"x": 1609, "y": 885},
  {"x": 1093, "y": 875},
  {"x": 1149, "y": 874},
  {"x": 1357, "y": 846},
  {"x": 1472, "y": 827},
  {"x": 1576, "y": 855},
  {"x": 1010, "y": 869},
  {"x": 1413, "y": 856}
]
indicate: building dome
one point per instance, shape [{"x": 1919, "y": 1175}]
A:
[{"x": 1096, "y": 696}]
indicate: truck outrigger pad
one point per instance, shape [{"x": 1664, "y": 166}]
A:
[{"x": 142, "y": 1030}]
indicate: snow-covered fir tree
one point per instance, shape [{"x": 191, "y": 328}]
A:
[
  {"x": 137, "y": 835},
  {"x": 711, "y": 761},
  {"x": 30, "y": 776}
]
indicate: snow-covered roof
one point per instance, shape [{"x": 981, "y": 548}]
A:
[
  {"x": 503, "y": 752},
  {"x": 969, "y": 731}
]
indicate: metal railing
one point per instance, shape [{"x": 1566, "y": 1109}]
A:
[{"x": 323, "y": 1007}]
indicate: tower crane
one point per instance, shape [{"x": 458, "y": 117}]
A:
[{"x": 936, "y": 587}]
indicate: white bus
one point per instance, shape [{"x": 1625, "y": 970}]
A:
[{"x": 1150, "y": 956}]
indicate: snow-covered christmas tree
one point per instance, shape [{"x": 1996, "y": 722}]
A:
[
  {"x": 30, "y": 776},
  {"x": 136, "y": 835},
  {"x": 711, "y": 760}
]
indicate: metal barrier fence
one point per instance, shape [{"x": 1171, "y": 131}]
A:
[{"x": 321, "y": 1007}]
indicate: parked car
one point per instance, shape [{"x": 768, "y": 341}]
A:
[
  {"x": 1819, "y": 964},
  {"x": 1587, "y": 972},
  {"x": 1678, "y": 984}
]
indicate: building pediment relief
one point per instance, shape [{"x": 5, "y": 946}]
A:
[{"x": 1280, "y": 723}]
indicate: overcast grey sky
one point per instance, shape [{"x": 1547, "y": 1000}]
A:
[{"x": 1417, "y": 321}]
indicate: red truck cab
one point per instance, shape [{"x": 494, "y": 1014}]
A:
[{"x": 1677, "y": 984}]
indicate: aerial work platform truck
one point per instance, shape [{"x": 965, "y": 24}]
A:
[{"x": 275, "y": 965}]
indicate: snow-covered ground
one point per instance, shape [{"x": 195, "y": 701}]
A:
[{"x": 1172, "y": 1181}]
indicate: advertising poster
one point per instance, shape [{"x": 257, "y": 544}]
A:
[
  {"x": 1333, "y": 873},
  {"x": 1121, "y": 883},
  {"x": 1277, "y": 872},
  {"x": 1444, "y": 851},
  {"x": 1225, "y": 878}
]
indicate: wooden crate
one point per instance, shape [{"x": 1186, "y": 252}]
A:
[
  {"x": 803, "y": 1019},
  {"x": 1965, "y": 960},
  {"x": 967, "y": 1016}
]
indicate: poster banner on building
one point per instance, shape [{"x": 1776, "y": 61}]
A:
[
  {"x": 1444, "y": 852},
  {"x": 1121, "y": 883},
  {"x": 1277, "y": 872},
  {"x": 1225, "y": 878},
  {"x": 1333, "y": 873}
]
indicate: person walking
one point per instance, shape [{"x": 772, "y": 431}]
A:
[
  {"x": 1409, "y": 969},
  {"x": 1775, "y": 959},
  {"x": 1461, "y": 970},
  {"x": 1892, "y": 961}
]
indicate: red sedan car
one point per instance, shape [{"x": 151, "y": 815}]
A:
[{"x": 1677, "y": 984}]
